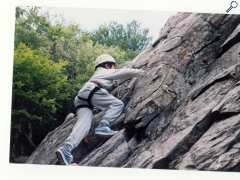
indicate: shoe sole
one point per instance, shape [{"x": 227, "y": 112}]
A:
[
  {"x": 60, "y": 158},
  {"x": 74, "y": 164}
]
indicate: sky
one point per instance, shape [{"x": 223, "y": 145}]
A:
[{"x": 90, "y": 19}]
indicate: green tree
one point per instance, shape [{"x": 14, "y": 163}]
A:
[
  {"x": 37, "y": 81},
  {"x": 51, "y": 63},
  {"x": 39, "y": 90},
  {"x": 31, "y": 29},
  {"x": 128, "y": 37}
]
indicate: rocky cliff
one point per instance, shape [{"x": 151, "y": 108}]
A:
[{"x": 184, "y": 113}]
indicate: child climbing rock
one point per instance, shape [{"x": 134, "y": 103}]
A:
[{"x": 94, "y": 93}]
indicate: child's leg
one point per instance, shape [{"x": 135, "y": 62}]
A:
[
  {"x": 105, "y": 101},
  {"x": 79, "y": 131},
  {"x": 81, "y": 128}
]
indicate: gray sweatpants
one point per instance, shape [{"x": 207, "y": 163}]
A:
[{"x": 102, "y": 100}]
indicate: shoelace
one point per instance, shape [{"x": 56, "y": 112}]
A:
[{"x": 67, "y": 152}]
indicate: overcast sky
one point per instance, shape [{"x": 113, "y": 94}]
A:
[{"x": 90, "y": 19}]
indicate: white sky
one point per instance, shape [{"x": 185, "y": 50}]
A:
[{"x": 90, "y": 19}]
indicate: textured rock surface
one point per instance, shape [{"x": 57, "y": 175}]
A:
[{"x": 184, "y": 113}]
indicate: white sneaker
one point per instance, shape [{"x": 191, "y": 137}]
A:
[
  {"x": 64, "y": 155},
  {"x": 105, "y": 131}
]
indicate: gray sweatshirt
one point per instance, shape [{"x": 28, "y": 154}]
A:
[{"x": 105, "y": 77}]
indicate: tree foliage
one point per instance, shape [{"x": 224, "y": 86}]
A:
[
  {"x": 38, "y": 85},
  {"x": 51, "y": 63},
  {"x": 130, "y": 37}
]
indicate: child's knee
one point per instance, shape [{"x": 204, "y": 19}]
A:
[{"x": 120, "y": 104}]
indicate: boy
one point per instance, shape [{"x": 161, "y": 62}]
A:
[{"x": 94, "y": 94}]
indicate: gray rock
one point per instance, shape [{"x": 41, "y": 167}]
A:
[
  {"x": 111, "y": 153},
  {"x": 45, "y": 152},
  {"x": 216, "y": 150},
  {"x": 183, "y": 113}
]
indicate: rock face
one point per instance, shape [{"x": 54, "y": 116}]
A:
[{"x": 184, "y": 113}]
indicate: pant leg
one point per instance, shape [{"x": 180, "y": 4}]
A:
[
  {"x": 112, "y": 106},
  {"x": 81, "y": 128}
]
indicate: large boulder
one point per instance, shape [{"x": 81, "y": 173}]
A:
[{"x": 183, "y": 113}]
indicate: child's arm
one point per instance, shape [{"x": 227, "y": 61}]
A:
[{"x": 124, "y": 73}]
